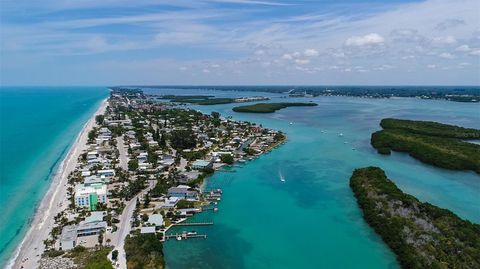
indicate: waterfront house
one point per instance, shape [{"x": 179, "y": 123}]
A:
[
  {"x": 186, "y": 177},
  {"x": 202, "y": 164},
  {"x": 147, "y": 230},
  {"x": 92, "y": 180},
  {"x": 73, "y": 235},
  {"x": 183, "y": 192},
  {"x": 91, "y": 228},
  {"x": 156, "y": 219},
  {"x": 169, "y": 203},
  {"x": 68, "y": 239}
]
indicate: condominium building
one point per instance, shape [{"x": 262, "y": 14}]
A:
[{"x": 89, "y": 196}]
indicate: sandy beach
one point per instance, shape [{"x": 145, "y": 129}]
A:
[{"x": 28, "y": 253}]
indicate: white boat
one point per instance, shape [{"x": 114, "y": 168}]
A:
[
  {"x": 179, "y": 238},
  {"x": 291, "y": 123},
  {"x": 340, "y": 134},
  {"x": 282, "y": 179}
]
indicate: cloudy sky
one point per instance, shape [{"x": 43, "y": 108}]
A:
[{"x": 302, "y": 42}]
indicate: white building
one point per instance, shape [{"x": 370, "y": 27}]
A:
[{"x": 89, "y": 196}]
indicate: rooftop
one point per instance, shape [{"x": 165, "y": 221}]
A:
[{"x": 147, "y": 230}]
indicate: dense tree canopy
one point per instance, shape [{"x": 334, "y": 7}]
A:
[
  {"x": 144, "y": 251},
  {"x": 182, "y": 139},
  {"x": 430, "y": 142},
  {"x": 420, "y": 234}
]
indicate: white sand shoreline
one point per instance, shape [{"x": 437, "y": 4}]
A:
[{"x": 29, "y": 252}]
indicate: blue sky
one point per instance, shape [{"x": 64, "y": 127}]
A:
[{"x": 113, "y": 42}]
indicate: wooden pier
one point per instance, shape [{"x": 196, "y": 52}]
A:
[
  {"x": 184, "y": 236},
  {"x": 194, "y": 223},
  {"x": 226, "y": 171},
  {"x": 214, "y": 209}
]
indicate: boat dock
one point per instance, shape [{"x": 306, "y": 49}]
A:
[
  {"x": 214, "y": 209},
  {"x": 184, "y": 236},
  {"x": 206, "y": 223}
]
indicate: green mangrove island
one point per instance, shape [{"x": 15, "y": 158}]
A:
[
  {"x": 434, "y": 143},
  {"x": 268, "y": 107},
  {"x": 420, "y": 234}
]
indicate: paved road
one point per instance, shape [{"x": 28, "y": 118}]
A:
[
  {"x": 122, "y": 149},
  {"x": 125, "y": 226}
]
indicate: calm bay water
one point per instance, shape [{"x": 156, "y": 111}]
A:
[
  {"x": 37, "y": 127},
  {"x": 309, "y": 221},
  {"x": 312, "y": 220}
]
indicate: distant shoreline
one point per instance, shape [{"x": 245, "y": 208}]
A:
[
  {"x": 465, "y": 94},
  {"x": 26, "y": 252}
]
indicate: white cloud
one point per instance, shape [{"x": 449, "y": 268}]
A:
[
  {"x": 302, "y": 61},
  {"x": 432, "y": 66},
  {"x": 310, "y": 53},
  {"x": 370, "y": 39},
  {"x": 449, "y": 23},
  {"x": 463, "y": 48},
  {"x": 408, "y": 57},
  {"x": 475, "y": 52},
  {"x": 287, "y": 56},
  {"x": 444, "y": 40},
  {"x": 97, "y": 43},
  {"x": 420, "y": 32},
  {"x": 446, "y": 55}
]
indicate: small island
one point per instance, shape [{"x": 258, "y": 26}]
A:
[
  {"x": 268, "y": 107},
  {"x": 434, "y": 143},
  {"x": 420, "y": 234}
]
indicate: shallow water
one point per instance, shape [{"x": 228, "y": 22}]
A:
[
  {"x": 312, "y": 220},
  {"x": 37, "y": 127}
]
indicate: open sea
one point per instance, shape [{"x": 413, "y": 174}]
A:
[
  {"x": 37, "y": 127},
  {"x": 309, "y": 221},
  {"x": 312, "y": 220}
]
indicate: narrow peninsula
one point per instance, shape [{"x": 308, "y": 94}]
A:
[
  {"x": 268, "y": 107},
  {"x": 434, "y": 143},
  {"x": 135, "y": 172},
  {"x": 207, "y": 99},
  {"x": 420, "y": 234}
]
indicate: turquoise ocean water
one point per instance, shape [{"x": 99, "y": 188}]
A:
[
  {"x": 37, "y": 127},
  {"x": 309, "y": 221},
  {"x": 312, "y": 220}
]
